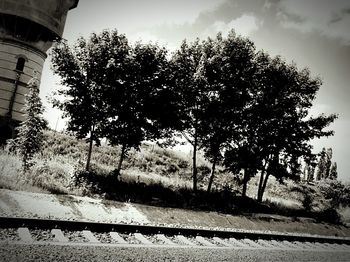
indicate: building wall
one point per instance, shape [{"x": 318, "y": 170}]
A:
[
  {"x": 49, "y": 13},
  {"x": 27, "y": 30},
  {"x": 9, "y": 53}
]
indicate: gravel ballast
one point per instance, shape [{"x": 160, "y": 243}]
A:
[{"x": 54, "y": 253}]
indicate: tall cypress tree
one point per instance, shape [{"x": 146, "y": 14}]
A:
[
  {"x": 30, "y": 132},
  {"x": 329, "y": 154},
  {"x": 333, "y": 171}
]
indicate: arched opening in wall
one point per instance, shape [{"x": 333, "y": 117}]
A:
[
  {"x": 21, "y": 60},
  {"x": 20, "y": 64}
]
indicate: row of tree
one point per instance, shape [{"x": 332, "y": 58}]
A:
[
  {"x": 241, "y": 107},
  {"x": 323, "y": 168}
]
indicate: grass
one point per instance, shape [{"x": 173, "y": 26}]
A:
[
  {"x": 152, "y": 175},
  {"x": 11, "y": 176},
  {"x": 345, "y": 214}
]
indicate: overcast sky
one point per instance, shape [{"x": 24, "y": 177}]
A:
[{"x": 312, "y": 33}]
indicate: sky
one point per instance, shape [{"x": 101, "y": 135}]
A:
[{"x": 311, "y": 33}]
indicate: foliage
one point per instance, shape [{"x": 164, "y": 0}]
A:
[
  {"x": 231, "y": 73},
  {"x": 278, "y": 129},
  {"x": 113, "y": 90},
  {"x": 134, "y": 105},
  {"x": 212, "y": 79},
  {"x": 333, "y": 173},
  {"x": 147, "y": 180},
  {"x": 325, "y": 168},
  {"x": 335, "y": 193},
  {"x": 81, "y": 74},
  {"x": 325, "y": 197},
  {"x": 243, "y": 108},
  {"x": 30, "y": 136},
  {"x": 188, "y": 65},
  {"x": 308, "y": 196}
]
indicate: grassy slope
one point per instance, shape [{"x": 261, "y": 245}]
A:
[{"x": 152, "y": 175}]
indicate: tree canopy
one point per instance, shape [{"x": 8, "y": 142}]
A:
[
  {"x": 241, "y": 107},
  {"x": 113, "y": 90}
]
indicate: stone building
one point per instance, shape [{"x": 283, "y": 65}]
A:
[{"x": 27, "y": 30}]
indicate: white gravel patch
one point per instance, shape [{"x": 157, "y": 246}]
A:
[{"x": 26, "y": 204}]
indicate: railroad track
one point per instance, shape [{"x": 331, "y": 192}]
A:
[{"x": 61, "y": 232}]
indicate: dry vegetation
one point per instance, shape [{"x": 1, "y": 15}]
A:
[{"x": 158, "y": 176}]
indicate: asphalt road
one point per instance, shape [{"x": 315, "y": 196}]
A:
[{"x": 26, "y": 252}]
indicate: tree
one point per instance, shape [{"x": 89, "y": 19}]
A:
[
  {"x": 230, "y": 73},
  {"x": 30, "y": 135},
  {"x": 114, "y": 90},
  {"x": 84, "y": 69},
  {"x": 243, "y": 157},
  {"x": 250, "y": 149},
  {"x": 191, "y": 85},
  {"x": 276, "y": 127},
  {"x": 212, "y": 78},
  {"x": 286, "y": 128},
  {"x": 333, "y": 172},
  {"x": 324, "y": 164},
  {"x": 329, "y": 154},
  {"x": 136, "y": 108},
  {"x": 309, "y": 172}
]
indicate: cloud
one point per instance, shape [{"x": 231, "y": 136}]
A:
[
  {"x": 329, "y": 18},
  {"x": 245, "y": 16},
  {"x": 133, "y": 15},
  {"x": 143, "y": 36},
  {"x": 243, "y": 25},
  {"x": 149, "y": 37}
]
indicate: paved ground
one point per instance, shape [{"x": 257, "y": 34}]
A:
[{"x": 23, "y": 252}]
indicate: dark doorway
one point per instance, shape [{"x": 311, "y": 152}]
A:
[
  {"x": 20, "y": 64},
  {"x": 6, "y": 132}
]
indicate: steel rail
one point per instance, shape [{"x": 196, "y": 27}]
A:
[{"x": 32, "y": 223}]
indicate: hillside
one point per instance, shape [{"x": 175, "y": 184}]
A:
[{"x": 155, "y": 176}]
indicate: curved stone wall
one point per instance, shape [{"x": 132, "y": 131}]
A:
[
  {"x": 27, "y": 30},
  {"x": 49, "y": 13},
  {"x": 9, "y": 54}
]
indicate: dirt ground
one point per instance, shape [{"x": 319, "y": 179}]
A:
[{"x": 66, "y": 207}]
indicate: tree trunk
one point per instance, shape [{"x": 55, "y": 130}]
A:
[
  {"x": 25, "y": 163},
  {"x": 245, "y": 182},
  {"x": 194, "y": 164},
  {"x": 259, "y": 198},
  {"x": 275, "y": 162},
  {"x": 90, "y": 148},
  {"x": 264, "y": 186},
  {"x": 261, "y": 182},
  {"x": 121, "y": 158},
  {"x": 212, "y": 174}
]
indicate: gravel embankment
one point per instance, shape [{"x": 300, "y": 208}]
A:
[
  {"x": 65, "y": 207},
  {"x": 103, "y": 253}
]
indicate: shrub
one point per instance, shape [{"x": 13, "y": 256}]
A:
[
  {"x": 334, "y": 192},
  {"x": 308, "y": 194},
  {"x": 330, "y": 215},
  {"x": 51, "y": 176}
]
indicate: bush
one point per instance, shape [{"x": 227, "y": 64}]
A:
[
  {"x": 329, "y": 215},
  {"x": 51, "y": 176},
  {"x": 335, "y": 193},
  {"x": 308, "y": 194}
]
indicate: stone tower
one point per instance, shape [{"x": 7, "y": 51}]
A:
[{"x": 27, "y": 30}]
